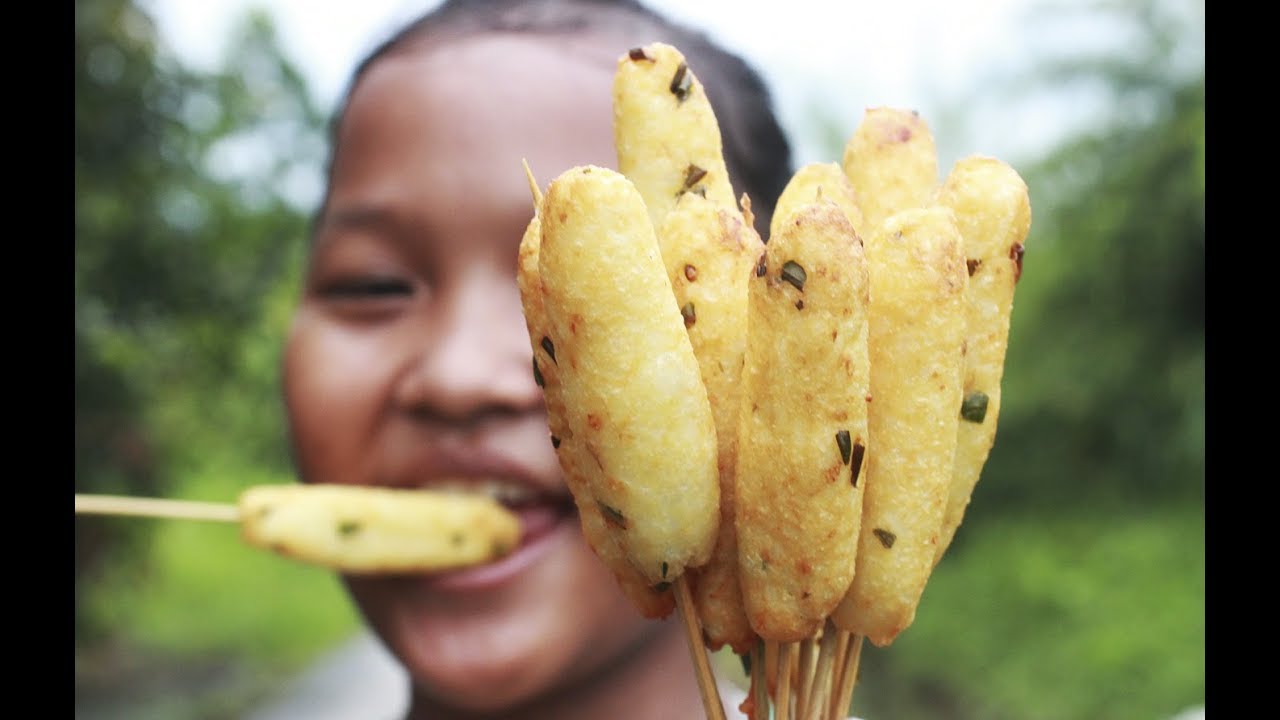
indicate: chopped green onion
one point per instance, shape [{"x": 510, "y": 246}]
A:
[
  {"x": 794, "y": 274},
  {"x": 846, "y": 448},
  {"x": 974, "y": 407}
]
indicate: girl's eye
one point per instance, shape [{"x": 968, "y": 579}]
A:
[
  {"x": 355, "y": 289},
  {"x": 366, "y": 299}
]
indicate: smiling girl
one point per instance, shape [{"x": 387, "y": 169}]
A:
[{"x": 408, "y": 362}]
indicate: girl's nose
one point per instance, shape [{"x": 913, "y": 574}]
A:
[{"x": 474, "y": 356}]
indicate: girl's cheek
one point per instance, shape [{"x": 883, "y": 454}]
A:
[{"x": 331, "y": 389}]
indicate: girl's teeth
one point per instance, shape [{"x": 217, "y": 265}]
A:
[{"x": 503, "y": 492}]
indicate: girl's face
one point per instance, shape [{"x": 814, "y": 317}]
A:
[{"x": 409, "y": 365}]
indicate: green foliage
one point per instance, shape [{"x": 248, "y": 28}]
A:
[
  {"x": 113, "y": 452},
  {"x": 1104, "y": 386},
  {"x": 1054, "y": 617},
  {"x": 1076, "y": 586},
  {"x": 186, "y": 242}
]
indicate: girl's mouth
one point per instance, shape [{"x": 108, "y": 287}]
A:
[{"x": 546, "y": 519}]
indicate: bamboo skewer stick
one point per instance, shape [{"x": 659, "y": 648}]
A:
[
  {"x": 842, "y": 650},
  {"x": 711, "y": 701},
  {"x": 808, "y": 662},
  {"x": 848, "y": 678},
  {"x": 821, "y": 696},
  {"x": 837, "y": 665},
  {"x": 795, "y": 679},
  {"x": 771, "y": 667},
  {"x": 156, "y": 507},
  {"x": 782, "y": 704},
  {"x": 759, "y": 683},
  {"x": 769, "y": 657}
]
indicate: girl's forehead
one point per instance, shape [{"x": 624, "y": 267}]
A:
[
  {"x": 506, "y": 51},
  {"x": 465, "y": 115},
  {"x": 517, "y": 76}
]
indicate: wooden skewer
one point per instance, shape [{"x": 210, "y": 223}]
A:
[
  {"x": 782, "y": 705},
  {"x": 156, "y": 507},
  {"x": 771, "y": 666},
  {"x": 533, "y": 184},
  {"x": 760, "y": 683},
  {"x": 848, "y": 678},
  {"x": 795, "y": 679},
  {"x": 711, "y": 701},
  {"x": 808, "y": 663},
  {"x": 821, "y": 697},
  {"x": 837, "y": 662}
]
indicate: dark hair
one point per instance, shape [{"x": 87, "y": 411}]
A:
[{"x": 757, "y": 152}]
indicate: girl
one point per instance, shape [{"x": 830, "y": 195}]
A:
[{"x": 408, "y": 362}]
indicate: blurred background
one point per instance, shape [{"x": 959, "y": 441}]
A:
[{"x": 1074, "y": 589}]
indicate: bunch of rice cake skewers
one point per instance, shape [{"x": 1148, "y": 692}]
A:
[{"x": 776, "y": 436}]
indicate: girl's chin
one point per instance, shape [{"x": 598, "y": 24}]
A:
[
  {"x": 501, "y": 632},
  {"x": 489, "y": 637}
]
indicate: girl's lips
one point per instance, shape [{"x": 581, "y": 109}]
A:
[{"x": 542, "y": 526}]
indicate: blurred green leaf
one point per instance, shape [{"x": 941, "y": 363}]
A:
[{"x": 185, "y": 252}]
